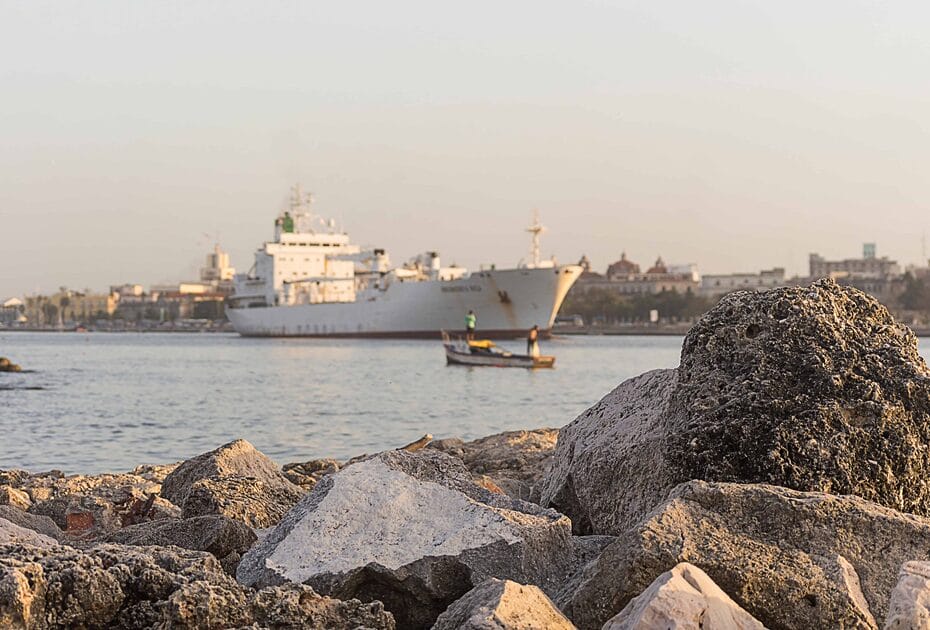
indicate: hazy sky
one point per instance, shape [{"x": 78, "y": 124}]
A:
[{"x": 737, "y": 135}]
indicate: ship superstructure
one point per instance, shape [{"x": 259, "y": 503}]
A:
[{"x": 312, "y": 281}]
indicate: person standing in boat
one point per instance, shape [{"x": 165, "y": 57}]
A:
[
  {"x": 532, "y": 342},
  {"x": 471, "y": 320}
]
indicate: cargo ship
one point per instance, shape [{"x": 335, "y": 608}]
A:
[{"x": 312, "y": 281}]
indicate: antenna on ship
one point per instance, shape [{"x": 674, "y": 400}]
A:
[{"x": 536, "y": 229}]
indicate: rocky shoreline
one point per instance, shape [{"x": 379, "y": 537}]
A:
[{"x": 777, "y": 478}]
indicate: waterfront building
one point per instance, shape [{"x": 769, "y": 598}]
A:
[
  {"x": 125, "y": 291},
  {"x": 718, "y": 285},
  {"x": 218, "y": 273},
  {"x": 68, "y": 306},
  {"x": 869, "y": 266},
  {"x": 623, "y": 269},
  {"x": 11, "y": 312},
  {"x": 625, "y": 277}
]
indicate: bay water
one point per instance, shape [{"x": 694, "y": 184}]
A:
[{"x": 100, "y": 402}]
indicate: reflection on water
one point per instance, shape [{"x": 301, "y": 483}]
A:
[{"x": 112, "y": 401}]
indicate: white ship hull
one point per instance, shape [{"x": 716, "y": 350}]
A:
[{"x": 507, "y": 303}]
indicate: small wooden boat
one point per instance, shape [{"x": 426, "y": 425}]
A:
[{"x": 485, "y": 352}]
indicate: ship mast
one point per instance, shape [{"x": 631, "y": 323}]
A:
[
  {"x": 300, "y": 208},
  {"x": 536, "y": 229}
]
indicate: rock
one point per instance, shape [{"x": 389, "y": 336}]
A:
[
  {"x": 410, "y": 530},
  {"x": 683, "y": 598},
  {"x": 8, "y": 366},
  {"x": 252, "y": 501},
  {"x": 16, "y": 498},
  {"x": 223, "y": 537},
  {"x": 812, "y": 388},
  {"x": 502, "y": 605},
  {"x": 909, "y": 607},
  {"x": 235, "y": 459},
  {"x": 41, "y": 524},
  {"x": 307, "y": 474},
  {"x": 154, "y": 473},
  {"x": 88, "y": 507},
  {"x": 13, "y": 477},
  {"x": 610, "y": 465},
  {"x": 107, "y": 585},
  {"x": 113, "y": 488},
  {"x": 514, "y": 460},
  {"x": 154, "y": 587},
  {"x": 790, "y": 559},
  {"x": 298, "y": 606},
  {"x": 89, "y": 518},
  {"x": 11, "y": 533}
]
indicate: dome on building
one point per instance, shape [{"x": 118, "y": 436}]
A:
[
  {"x": 659, "y": 267},
  {"x": 623, "y": 267}
]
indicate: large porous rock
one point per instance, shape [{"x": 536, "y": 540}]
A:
[
  {"x": 37, "y": 523},
  {"x": 514, "y": 460},
  {"x": 105, "y": 586},
  {"x": 11, "y": 533},
  {"x": 411, "y": 530},
  {"x": 813, "y": 388},
  {"x": 909, "y": 607},
  {"x": 225, "y": 538},
  {"x": 299, "y": 606},
  {"x": 684, "y": 598},
  {"x": 503, "y": 605},
  {"x": 235, "y": 480},
  {"x": 237, "y": 458},
  {"x": 791, "y": 559},
  {"x": 155, "y": 587},
  {"x": 254, "y": 502}
]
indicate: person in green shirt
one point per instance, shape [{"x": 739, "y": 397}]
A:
[{"x": 471, "y": 320}]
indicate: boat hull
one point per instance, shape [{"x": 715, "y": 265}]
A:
[
  {"x": 496, "y": 360},
  {"x": 507, "y": 303}
]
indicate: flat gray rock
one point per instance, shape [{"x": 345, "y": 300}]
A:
[
  {"x": 37, "y": 523},
  {"x": 411, "y": 530},
  {"x": 11, "y": 533}
]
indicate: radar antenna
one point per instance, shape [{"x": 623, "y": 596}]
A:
[{"x": 536, "y": 229}]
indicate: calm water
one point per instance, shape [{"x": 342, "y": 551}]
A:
[{"x": 112, "y": 401}]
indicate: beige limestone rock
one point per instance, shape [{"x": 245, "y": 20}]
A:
[
  {"x": 909, "y": 608},
  {"x": 256, "y": 503},
  {"x": 503, "y": 605},
  {"x": 235, "y": 459},
  {"x": 514, "y": 461},
  {"x": 114, "y": 586},
  {"x": 686, "y": 599},
  {"x": 14, "y": 497},
  {"x": 790, "y": 559}
]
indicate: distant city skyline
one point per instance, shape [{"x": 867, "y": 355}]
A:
[{"x": 739, "y": 139}]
